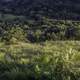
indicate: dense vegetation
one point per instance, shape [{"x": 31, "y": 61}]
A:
[
  {"x": 58, "y": 9},
  {"x": 39, "y": 40},
  {"x": 59, "y": 60},
  {"x": 39, "y": 30},
  {"x": 33, "y": 50}
]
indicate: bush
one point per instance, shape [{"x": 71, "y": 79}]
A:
[{"x": 14, "y": 35}]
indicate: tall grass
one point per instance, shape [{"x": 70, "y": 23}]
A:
[{"x": 58, "y": 60}]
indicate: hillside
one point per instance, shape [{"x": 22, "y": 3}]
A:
[{"x": 58, "y": 9}]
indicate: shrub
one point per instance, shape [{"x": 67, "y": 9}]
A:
[{"x": 14, "y": 35}]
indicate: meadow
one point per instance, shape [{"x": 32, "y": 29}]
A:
[{"x": 49, "y": 60}]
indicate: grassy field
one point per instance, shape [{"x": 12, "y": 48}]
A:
[{"x": 51, "y": 60}]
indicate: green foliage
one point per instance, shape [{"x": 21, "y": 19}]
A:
[
  {"x": 14, "y": 35},
  {"x": 39, "y": 31},
  {"x": 45, "y": 61},
  {"x": 38, "y": 35}
]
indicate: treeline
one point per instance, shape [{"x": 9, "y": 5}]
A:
[
  {"x": 58, "y": 9},
  {"x": 40, "y": 30}
]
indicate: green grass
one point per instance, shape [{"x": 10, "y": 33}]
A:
[{"x": 51, "y": 60}]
